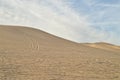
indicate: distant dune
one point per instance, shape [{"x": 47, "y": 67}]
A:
[
  {"x": 32, "y": 54},
  {"x": 104, "y": 46}
]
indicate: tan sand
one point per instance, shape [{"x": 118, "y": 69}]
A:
[
  {"x": 104, "y": 46},
  {"x": 31, "y": 54}
]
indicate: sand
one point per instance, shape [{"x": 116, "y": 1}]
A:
[{"x": 31, "y": 54}]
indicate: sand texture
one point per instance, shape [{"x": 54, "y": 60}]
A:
[{"x": 31, "y": 54}]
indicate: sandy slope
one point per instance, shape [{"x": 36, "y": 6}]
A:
[
  {"x": 31, "y": 54},
  {"x": 104, "y": 46}
]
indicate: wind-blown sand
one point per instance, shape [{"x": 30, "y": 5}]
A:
[{"x": 31, "y": 54}]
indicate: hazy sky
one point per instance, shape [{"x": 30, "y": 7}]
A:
[{"x": 77, "y": 20}]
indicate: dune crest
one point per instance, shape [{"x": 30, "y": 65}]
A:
[{"x": 105, "y": 46}]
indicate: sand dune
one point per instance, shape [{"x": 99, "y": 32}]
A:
[
  {"x": 104, "y": 46},
  {"x": 31, "y": 54}
]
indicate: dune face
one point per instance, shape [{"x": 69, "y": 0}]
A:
[
  {"x": 104, "y": 46},
  {"x": 31, "y": 54}
]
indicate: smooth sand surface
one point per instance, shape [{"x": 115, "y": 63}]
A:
[{"x": 31, "y": 54}]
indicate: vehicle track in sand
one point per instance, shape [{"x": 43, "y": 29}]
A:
[{"x": 33, "y": 44}]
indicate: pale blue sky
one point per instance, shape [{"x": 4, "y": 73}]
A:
[
  {"x": 76, "y": 20},
  {"x": 104, "y": 15}
]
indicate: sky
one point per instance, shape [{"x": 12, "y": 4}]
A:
[{"x": 77, "y": 20}]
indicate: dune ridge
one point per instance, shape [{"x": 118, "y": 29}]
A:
[
  {"x": 32, "y": 54},
  {"x": 104, "y": 46}
]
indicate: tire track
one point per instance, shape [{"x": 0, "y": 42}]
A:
[{"x": 34, "y": 44}]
